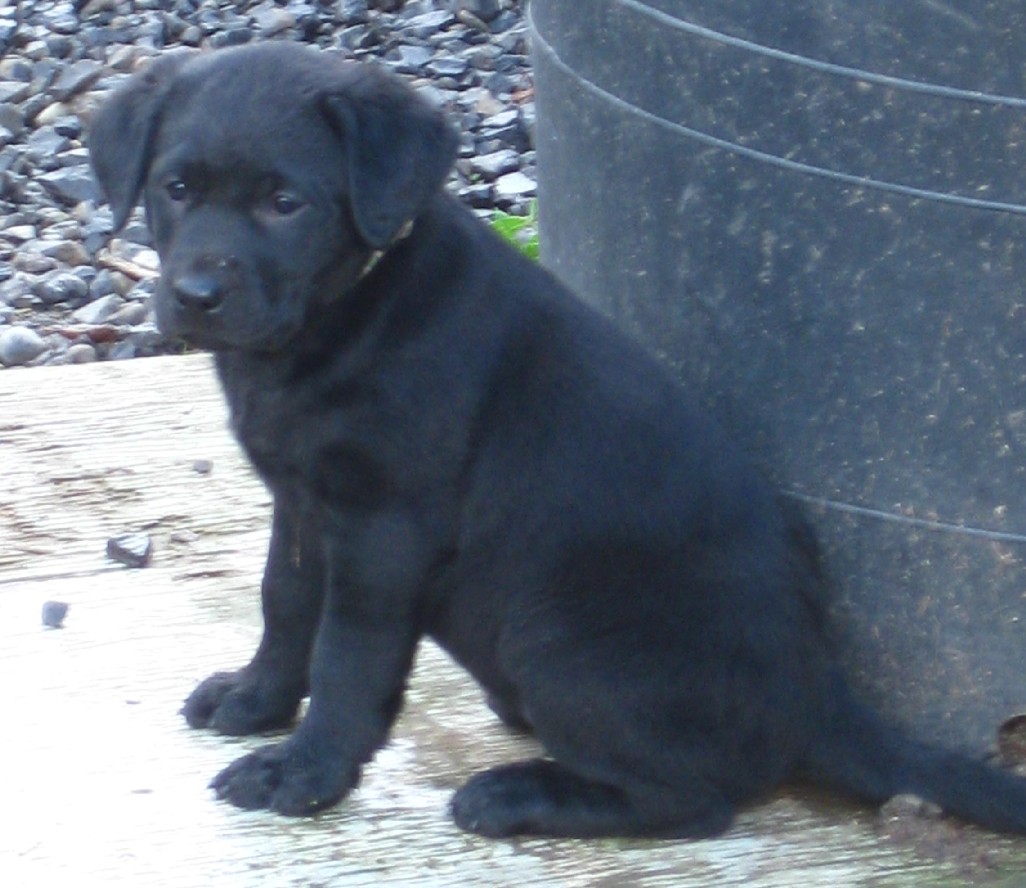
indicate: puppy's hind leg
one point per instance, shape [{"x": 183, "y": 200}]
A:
[
  {"x": 509, "y": 712},
  {"x": 543, "y": 797}
]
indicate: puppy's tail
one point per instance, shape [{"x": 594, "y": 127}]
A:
[{"x": 861, "y": 754}]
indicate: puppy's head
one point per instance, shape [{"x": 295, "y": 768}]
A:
[{"x": 270, "y": 175}]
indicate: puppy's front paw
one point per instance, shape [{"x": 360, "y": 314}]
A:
[
  {"x": 286, "y": 778},
  {"x": 235, "y": 703}
]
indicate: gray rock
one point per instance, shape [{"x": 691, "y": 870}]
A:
[
  {"x": 62, "y": 19},
  {"x": 17, "y": 292},
  {"x": 11, "y": 119},
  {"x": 496, "y": 164},
  {"x": 430, "y": 23},
  {"x": 505, "y": 21},
  {"x": 130, "y": 315},
  {"x": 507, "y": 127},
  {"x": 107, "y": 282},
  {"x": 486, "y": 10},
  {"x": 146, "y": 339},
  {"x": 61, "y": 286},
  {"x": 47, "y": 116},
  {"x": 81, "y": 353},
  {"x": 353, "y": 12},
  {"x": 142, "y": 291},
  {"x": 273, "y": 20},
  {"x": 69, "y": 252},
  {"x": 125, "y": 350},
  {"x": 93, "y": 7},
  {"x": 232, "y": 37},
  {"x": 499, "y": 84},
  {"x": 412, "y": 8},
  {"x": 19, "y": 234},
  {"x": 8, "y": 29},
  {"x": 76, "y": 78},
  {"x": 70, "y": 127},
  {"x": 448, "y": 66},
  {"x": 479, "y": 196},
  {"x": 502, "y": 120},
  {"x": 35, "y": 263},
  {"x": 411, "y": 59},
  {"x": 192, "y": 36},
  {"x": 13, "y": 92},
  {"x": 71, "y": 185},
  {"x": 99, "y": 311},
  {"x": 440, "y": 98},
  {"x": 46, "y": 142},
  {"x": 514, "y": 185},
  {"x": 19, "y": 345}
]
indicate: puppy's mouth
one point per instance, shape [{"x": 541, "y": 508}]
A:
[
  {"x": 203, "y": 313},
  {"x": 191, "y": 319}
]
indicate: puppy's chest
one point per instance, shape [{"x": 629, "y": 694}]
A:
[
  {"x": 283, "y": 434},
  {"x": 273, "y": 431},
  {"x": 271, "y": 420},
  {"x": 322, "y": 442}
]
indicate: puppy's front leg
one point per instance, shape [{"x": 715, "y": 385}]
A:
[
  {"x": 266, "y": 693},
  {"x": 362, "y": 655}
]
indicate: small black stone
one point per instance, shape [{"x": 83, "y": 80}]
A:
[{"x": 131, "y": 549}]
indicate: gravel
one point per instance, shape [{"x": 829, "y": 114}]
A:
[{"x": 72, "y": 293}]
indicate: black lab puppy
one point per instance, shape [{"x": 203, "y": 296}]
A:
[{"x": 457, "y": 447}]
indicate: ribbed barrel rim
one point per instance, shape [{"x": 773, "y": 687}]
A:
[{"x": 543, "y": 46}]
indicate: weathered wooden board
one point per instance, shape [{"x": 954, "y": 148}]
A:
[{"x": 103, "y": 783}]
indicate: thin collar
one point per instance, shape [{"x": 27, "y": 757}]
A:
[{"x": 377, "y": 255}]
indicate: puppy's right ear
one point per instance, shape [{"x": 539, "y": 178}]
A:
[{"x": 121, "y": 133}]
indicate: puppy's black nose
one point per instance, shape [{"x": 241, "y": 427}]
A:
[{"x": 197, "y": 291}]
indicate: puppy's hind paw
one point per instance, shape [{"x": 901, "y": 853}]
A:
[
  {"x": 481, "y": 806},
  {"x": 517, "y": 799},
  {"x": 546, "y": 798}
]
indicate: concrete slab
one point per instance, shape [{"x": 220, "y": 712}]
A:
[{"x": 104, "y": 784}]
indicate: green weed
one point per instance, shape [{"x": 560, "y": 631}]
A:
[{"x": 520, "y": 231}]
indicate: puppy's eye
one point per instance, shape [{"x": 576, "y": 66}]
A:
[
  {"x": 176, "y": 189},
  {"x": 286, "y": 204}
]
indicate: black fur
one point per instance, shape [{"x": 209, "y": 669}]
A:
[{"x": 457, "y": 447}]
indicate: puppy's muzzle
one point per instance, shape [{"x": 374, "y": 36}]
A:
[
  {"x": 202, "y": 289},
  {"x": 199, "y": 293}
]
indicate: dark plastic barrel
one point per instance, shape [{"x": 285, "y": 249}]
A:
[{"x": 815, "y": 211}]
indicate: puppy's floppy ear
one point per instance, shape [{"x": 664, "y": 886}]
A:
[
  {"x": 399, "y": 147},
  {"x": 121, "y": 133}
]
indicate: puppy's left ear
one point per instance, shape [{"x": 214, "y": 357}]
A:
[{"x": 400, "y": 150}]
